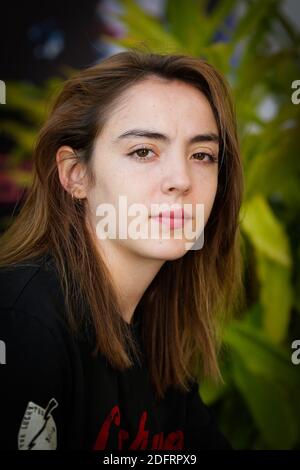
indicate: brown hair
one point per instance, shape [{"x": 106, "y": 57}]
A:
[{"x": 187, "y": 300}]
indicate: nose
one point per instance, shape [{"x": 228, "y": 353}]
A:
[{"x": 176, "y": 177}]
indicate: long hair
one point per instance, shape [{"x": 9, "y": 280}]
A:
[{"x": 185, "y": 305}]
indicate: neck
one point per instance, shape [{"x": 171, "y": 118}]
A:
[{"x": 131, "y": 274}]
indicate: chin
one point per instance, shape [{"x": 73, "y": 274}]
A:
[{"x": 166, "y": 250}]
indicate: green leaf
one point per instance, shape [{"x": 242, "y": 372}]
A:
[
  {"x": 276, "y": 298},
  {"x": 260, "y": 356},
  {"x": 29, "y": 99},
  {"x": 25, "y": 136},
  {"x": 211, "y": 392},
  {"x": 144, "y": 28},
  {"x": 219, "y": 14},
  {"x": 255, "y": 14},
  {"x": 265, "y": 231},
  {"x": 270, "y": 406},
  {"x": 188, "y": 23},
  {"x": 218, "y": 54}
]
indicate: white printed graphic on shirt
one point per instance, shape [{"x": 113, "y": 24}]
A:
[{"x": 38, "y": 428}]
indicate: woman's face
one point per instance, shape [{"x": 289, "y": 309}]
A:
[{"x": 175, "y": 167}]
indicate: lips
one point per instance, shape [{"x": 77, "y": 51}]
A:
[
  {"x": 174, "y": 218},
  {"x": 173, "y": 214}
]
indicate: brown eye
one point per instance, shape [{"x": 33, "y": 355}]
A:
[
  {"x": 203, "y": 155},
  {"x": 142, "y": 152}
]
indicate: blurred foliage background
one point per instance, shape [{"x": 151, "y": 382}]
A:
[{"x": 257, "y": 48}]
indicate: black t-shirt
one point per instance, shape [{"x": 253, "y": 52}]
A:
[{"x": 54, "y": 394}]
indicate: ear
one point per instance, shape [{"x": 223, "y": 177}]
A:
[{"x": 72, "y": 172}]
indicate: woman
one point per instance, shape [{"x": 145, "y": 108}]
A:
[{"x": 105, "y": 335}]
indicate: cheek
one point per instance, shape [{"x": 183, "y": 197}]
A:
[
  {"x": 111, "y": 186},
  {"x": 107, "y": 182},
  {"x": 212, "y": 190},
  {"x": 206, "y": 194}
]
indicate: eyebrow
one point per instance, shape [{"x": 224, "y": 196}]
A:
[{"x": 206, "y": 137}]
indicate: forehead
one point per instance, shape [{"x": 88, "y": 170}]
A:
[{"x": 163, "y": 103}]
